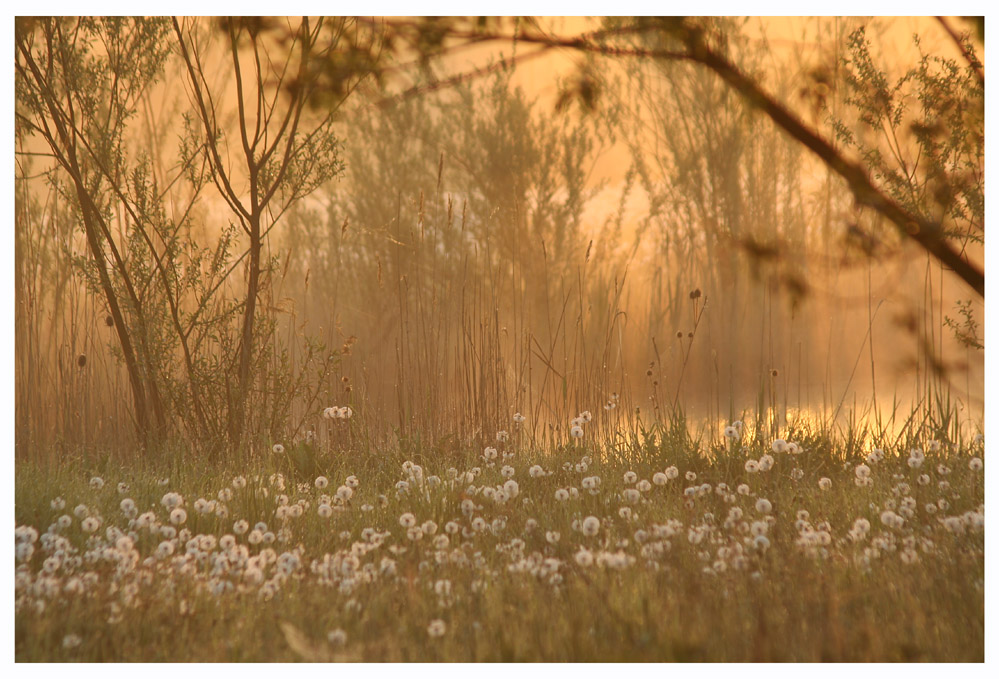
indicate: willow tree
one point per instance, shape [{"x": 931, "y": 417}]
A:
[
  {"x": 78, "y": 81},
  {"x": 287, "y": 81}
]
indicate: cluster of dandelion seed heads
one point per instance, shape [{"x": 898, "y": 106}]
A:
[{"x": 455, "y": 531}]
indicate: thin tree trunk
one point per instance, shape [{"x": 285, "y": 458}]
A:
[
  {"x": 127, "y": 350},
  {"x": 237, "y": 423}
]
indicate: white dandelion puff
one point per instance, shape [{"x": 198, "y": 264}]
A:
[{"x": 591, "y": 526}]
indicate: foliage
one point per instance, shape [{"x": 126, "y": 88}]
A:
[
  {"x": 922, "y": 134},
  {"x": 966, "y": 328}
]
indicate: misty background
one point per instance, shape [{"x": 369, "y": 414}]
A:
[{"x": 558, "y": 233}]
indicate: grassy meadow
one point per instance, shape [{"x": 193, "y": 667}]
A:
[{"x": 591, "y": 551}]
